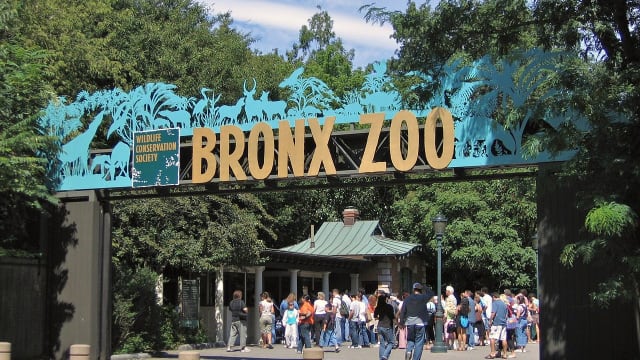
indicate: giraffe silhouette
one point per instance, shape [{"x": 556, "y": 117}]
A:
[{"x": 75, "y": 154}]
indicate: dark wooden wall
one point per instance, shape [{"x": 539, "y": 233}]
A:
[
  {"x": 572, "y": 326},
  {"x": 22, "y": 306}
]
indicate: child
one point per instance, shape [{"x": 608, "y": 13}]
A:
[
  {"x": 328, "y": 328},
  {"x": 290, "y": 320}
]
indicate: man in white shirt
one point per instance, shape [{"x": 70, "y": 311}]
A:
[
  {"x": 364, "y": 334},
  {"x": 354, "y": 322},
  {"x": 347, "y": 300},
  {"x": 487, "y": 302},
  {"x": 336, "y": 302}
]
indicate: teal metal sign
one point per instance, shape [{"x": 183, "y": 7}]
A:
[
  {"x": 476, "y": 93},
  {"x": 156, "y": 158}
]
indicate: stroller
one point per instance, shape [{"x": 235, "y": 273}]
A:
[{"x": 279, "y": 328}]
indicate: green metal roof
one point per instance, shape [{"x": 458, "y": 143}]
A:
[{"x": 364, "y": 238}]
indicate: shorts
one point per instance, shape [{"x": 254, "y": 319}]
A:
[
  {"x": 265, "y": 324},
  {"x": 535, "y": 319},
  {"x": 498, "y": 332}
]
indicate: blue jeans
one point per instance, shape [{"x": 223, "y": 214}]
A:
[
  {"x": 338, "y": 331},
  {"x": 345, "y": 325},
  {"x": 304, "y": 332},
  {"x": 328, "y": 338},
  {"x": 354, "y": 331},
  {"x": 415, "y": 340},
  {"x": 521, "y": 333},
  {"x": 372, "y": 335},
  {"x": 364, "y": 334},
  {"x": 387, "y": 340},
  {"x": 471, "y": 338}
]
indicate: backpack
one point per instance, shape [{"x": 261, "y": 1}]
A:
[
  {"x": 512, "y": 321},
  {"x": 344, "y": 309},
  {"x": 464, "y": 321},
  {"x": 431, "y": 312}
]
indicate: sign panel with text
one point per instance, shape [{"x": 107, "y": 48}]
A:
[{"x": 156, "y": 158}]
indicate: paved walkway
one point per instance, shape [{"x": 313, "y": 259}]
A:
[{"x": 280, "y": 352}]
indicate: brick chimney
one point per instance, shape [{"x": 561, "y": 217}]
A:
[{"x": 349, "y": 216}]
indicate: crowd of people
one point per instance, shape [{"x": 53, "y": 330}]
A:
[{"x": 505, "y": 322}]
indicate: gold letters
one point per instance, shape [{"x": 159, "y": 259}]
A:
[
  {"x": 435, "y": 161},
  {"x": 367, "y": 165},
  {"x": 268, "y": 143},
  {"x": 413, "y": 140},
  {"x": 321, "y": 153},
  {"x": 231, "y": 160},
  {"x": 404, "y": 147},
  {"x": 290, "y": 149},
  {"x": 203, "y": 153}
]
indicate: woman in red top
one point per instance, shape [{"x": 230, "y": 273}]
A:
[
  {"x": 371, "y": 321},
  {"x": 306, "y": 321}
]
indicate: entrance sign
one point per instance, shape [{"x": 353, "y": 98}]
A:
[
  {"x": 459, "y": 124},
  {"x": 156, "y": 158},
  {"x": 291, "y": 147}
]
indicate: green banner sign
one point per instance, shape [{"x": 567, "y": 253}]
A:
[{"x": 156, "y": 158}]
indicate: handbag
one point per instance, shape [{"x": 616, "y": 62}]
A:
[
  {"x": 464, "y": 321},
  {"x": 451, "y": 327}
]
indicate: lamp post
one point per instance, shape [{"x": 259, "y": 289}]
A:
[{"x": 439, "y": 223}]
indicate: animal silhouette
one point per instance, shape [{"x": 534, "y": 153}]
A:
[
  {"x": 272, "y": 108},
  {"x": 180, "y": 118},
  {"x": 230, "y": 112},
  {"x": 120, "y": 160},
  {"x": 74, "y": 156},
  {"x": 252, "y": 107},
  {"x": 203, "y": 103},
  {"x": 101, "y": 161},
  {"x": 381, "y": 101},
  {"x": 293, "y": 79},
  {"x": 204, "y": 111}
]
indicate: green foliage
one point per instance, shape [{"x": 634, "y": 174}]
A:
[
  {"x": 610, "y": 219},
  {"x": 487, "y": 240},
  {"x": 295, "y": 211},
  {"x": 323, "y": 55},
  {"x": 126, "y": 43},
  {"x": 139, "y": 323},
  {"x": 429, "y": 37},
  {"x": 135, "y": 311},
  {"x": 190, "y": 233},
  {"x": 604, "y": 88},
  {"x": 600, "y": 68},
  {"x": 24, "y": 152}
]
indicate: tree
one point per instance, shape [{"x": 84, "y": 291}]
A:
[
  {"x": 296, "y": 211},
  {"x": 604, "y": 82},
  {"x": 601, "y": 86},
  {"x": 323, "y": 55},
  {"x": 98, "y": 45},
  {"x": 24, "y": 152},
  {"x": 488, "y": 237},
  {"x": 470, "y": 28},
  {"x": 185, "y": 235},
  {"x": 196, "y": 234}
]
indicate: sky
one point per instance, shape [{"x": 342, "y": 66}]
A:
[{"x": 276, "y": 24}]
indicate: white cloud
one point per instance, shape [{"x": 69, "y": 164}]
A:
[{"x": 272, "y": 21}]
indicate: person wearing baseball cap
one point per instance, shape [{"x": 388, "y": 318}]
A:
[{"x": 414, "y": 317}]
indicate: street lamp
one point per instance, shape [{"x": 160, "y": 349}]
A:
[{"x": 439, "y": 224}]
